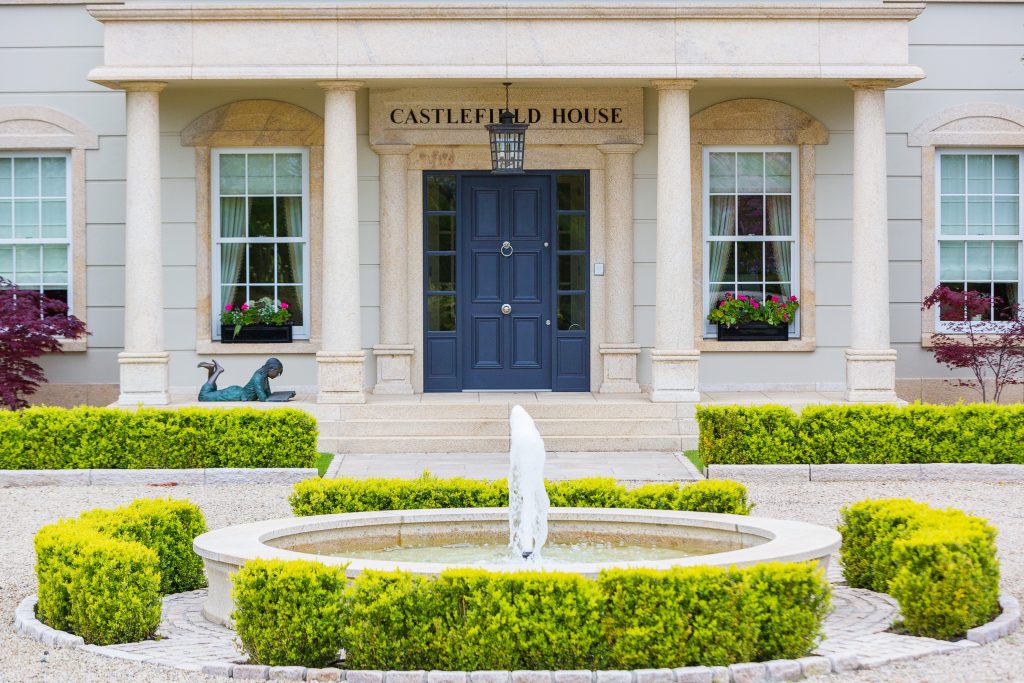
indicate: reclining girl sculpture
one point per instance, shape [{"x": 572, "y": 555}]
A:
[{"x": 257, "y": 389}]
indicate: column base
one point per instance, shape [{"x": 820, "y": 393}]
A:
[
  {"x": 145, "y": 378},
  {"x": 394, "y": 368},
  {"x": 674, "y": 376},
  {"x": 871, "y": 376},
  {"x": 619, "y": 368},
  {"x": 340, "y": 376}
]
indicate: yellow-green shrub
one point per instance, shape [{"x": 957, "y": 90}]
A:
[
  {"x": 106, "y": 438},
  {"x": 331, "y": 496},
  {"x": 940, "y": 565},
  {"x": 101, "y": 575},
  {"x": 289, "y": 612}
]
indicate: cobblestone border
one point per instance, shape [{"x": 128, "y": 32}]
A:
[
  {"x": 890, "y": 472},
  {"x": 1008, "y": 621},
  {"x": 211, "y": 475}
]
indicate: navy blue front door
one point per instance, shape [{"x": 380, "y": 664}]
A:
[{"x": 506, "y": 306}]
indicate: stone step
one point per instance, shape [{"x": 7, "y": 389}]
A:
[
  {"x": 500, "y": 427},
  {"x": 439, "y": 410},
  {"x": 493, "y": 444}
]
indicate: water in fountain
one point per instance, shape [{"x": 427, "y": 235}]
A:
[{"x": 527, "y": 497}]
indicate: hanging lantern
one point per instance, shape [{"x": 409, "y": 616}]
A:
[{"x": 508, "y": 141}]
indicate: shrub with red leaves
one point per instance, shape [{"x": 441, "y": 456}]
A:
[
  {"x": 992, "y": 351},
  {"x": 31, "y": 325}
]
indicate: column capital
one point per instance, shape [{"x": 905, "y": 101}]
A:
[
  {"x": 878, "y": 83},
  {"x": 344, "y": 86},
  {"x": 619, "y": 148},
  {"x": 400, "y": 148},
  {"x": 674, "y": 84},
  {"x": 142, "y": 86}
]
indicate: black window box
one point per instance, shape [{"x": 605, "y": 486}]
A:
[
  {"x": 257, "y": 334},
  {"x": 753, "y": 332}
]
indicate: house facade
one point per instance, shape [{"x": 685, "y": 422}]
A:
[{"x": 162, "y": 161}]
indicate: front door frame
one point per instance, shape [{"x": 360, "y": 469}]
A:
[{"x": 562, "y": 344}]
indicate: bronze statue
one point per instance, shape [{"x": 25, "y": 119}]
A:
[{"x": 258, "y": 388}]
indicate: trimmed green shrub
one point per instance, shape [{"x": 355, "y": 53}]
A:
[
  {"x": 474, "y": 619},
  {"x": 838, "y": 434},
  {"x": 331, "y": 496},
  {"x": 940, "y": 565},
  {"x": 288, "y": 612},
  {"x": 108, "y": 438},
  {"x": 101, "y": 575}
]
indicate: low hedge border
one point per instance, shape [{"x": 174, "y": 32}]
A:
[
  {"x": 861, "y": 434},
  {"x": 187, "y": 438},
  {"x": 333, "y": 496}
]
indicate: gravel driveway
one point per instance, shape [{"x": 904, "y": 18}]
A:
[{"x": 23, "y": 511}]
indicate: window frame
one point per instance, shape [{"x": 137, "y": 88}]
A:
[
  {"x": 68, "y": 239},
  {"x": 303, "y": 332},
  {"x": 795, "y": 238},
  {"x": 950, "y": 327}
]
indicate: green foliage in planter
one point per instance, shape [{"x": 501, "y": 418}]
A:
[
  {"x": 854, "y": 434},
  {"x": 473, "y": 619},
  {"x": 101, "y": 575},
  {"x": 331, "y": 496},
  {"x": 107, "y": 438},
  {"x": 940, "y": 565},
  {"x": 288, "y": 612}
]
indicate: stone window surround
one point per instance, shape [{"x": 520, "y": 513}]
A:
[
  {"x": 764, "y": 123},
  {"x": 230, "y": 125},
  {"x": 980, "y": 125},
  {"x": 42, "y": 129}
]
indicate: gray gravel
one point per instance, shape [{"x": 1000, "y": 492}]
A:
[{"x": 23, "y": 511}]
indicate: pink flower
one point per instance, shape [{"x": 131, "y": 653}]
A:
[
  {"x": 785, "y": 318},
  {"x": 245, "y": 307},
  {"x": 742, "y": 297},
  {"x": 228, "y": 307},
  {"x": 792, "y": 298},
  {"x": 721, "y": 303},
  {"x": 755, "y": 304},
  {"x": 775, "y": 299},
  {"x": 728, "y": 295},
  {"x": 284, "y": 304}
]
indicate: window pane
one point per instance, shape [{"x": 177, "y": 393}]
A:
[
  {"x": 723, "y": 215},
  {"x": 751, "y": 214},
  {"x": 292, "y": 295},
  {"x": 54, "y": 182},
  {"x": 951, "y": 261},
  {"x": 7, "y": 262},
  {"x": 954, "y": 216},
  {"x": 1004, "y": 261},
  {"x": 721, "y": 266},
  {"x": 261, "y": 216},
  {"x": 948, "y": 312},
  {"x": 441, "y": 313},
  {"x": 441, "y": 233},
  {"x": 778, "y": 266},
  {"x": 441, "y": 193},
  {"x": 235, "y": 296},
  {"x": 722, "y": 172},
  {"x": 571, "y": 193},
  {"x": 717, "y": 292},
  {"x": 232, "y": 174},
  {"x": 751, "y": 172},
  {"x": 1007, "y": 170},
  {"x": 572, "y": 272},
  {"x": 979, "y": 216},
  {"x": 261, "y": 173},
  {"x": 1007, "y": 216},
  {"x": 26, "y": 218},
  {"x": 979, "y": 174},
  {"x": 55, "y": 264},
  {"x": 6, "y": 218},
  {"x": 289, "y": 216},
  {"x": 55, "y": 218},
  {"x": 6, "y": 176},
  {"x": 261, "y": 263},
  {"x": 979, "y": 261},
  {"x": 572, "y": 312},
  {"x": 289, "y": 262},
  {"x": 26, "y": 177},
  {"x": 750, "y": 264},
  {"x": 27, "y": 260},
  {"x": 232, "y": 217},
  {"x": 780, "y": 216},
  {"x": 58, "y": 293},
  {"x": 441, "y": 273},
  {"x": 1008, "y": 294},
  {"x": 232, "y": 263},
  {"x": 289, "y": 173},
  {"x": 952, "y": 174},
  {"x": 256, "y": 293},
  {"x": 779, "y": 289},
  {"x": 778, "y": 171}
]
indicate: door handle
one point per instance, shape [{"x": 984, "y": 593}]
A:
[
  {"x": 506, "y": 249},
  {"x": 506, "y": 309}
]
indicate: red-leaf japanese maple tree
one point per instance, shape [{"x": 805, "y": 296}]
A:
[
  {"x": 991, "y": 351},
  {"x": 31, "y": 325}
]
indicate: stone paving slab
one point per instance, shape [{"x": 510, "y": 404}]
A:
[
  {"x": 890, "y": 472},
  {"x": 156, "y": 477}
]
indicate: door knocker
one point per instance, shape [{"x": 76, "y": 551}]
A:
[{"x": 506, "y": 245}]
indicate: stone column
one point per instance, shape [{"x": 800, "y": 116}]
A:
[
  {"x": 394, "y": 352},
  {"x": 618, "y": 351},
  {"x": 340, "y": 359},
  {"x": 144, "y": 363},
  {"x": 870, "y": 362},
  {"x": 674, "y": 358}
]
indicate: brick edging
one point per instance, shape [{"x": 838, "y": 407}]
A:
[
  {"x": 890, "y": 472},
  {"x": 210, "y": 475},
  {"x": 1007, "y": 622}
]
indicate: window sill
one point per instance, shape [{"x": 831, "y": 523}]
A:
[
  {"x": 208, "y": 347},
  {"x": 804, "y": 344},
  {"x": 74, "y": 345},
  {"x": 928, "y": 343}
]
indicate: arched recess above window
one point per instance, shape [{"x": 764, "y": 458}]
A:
[
  {"x": 753, "y": 123},
  {"x": 45, "y": 136},
  {"x": 249, "y": 125},
  {"x": 977, "y": 124}
]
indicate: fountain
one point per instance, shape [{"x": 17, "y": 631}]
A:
[{"x": 580, "y": 540}]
